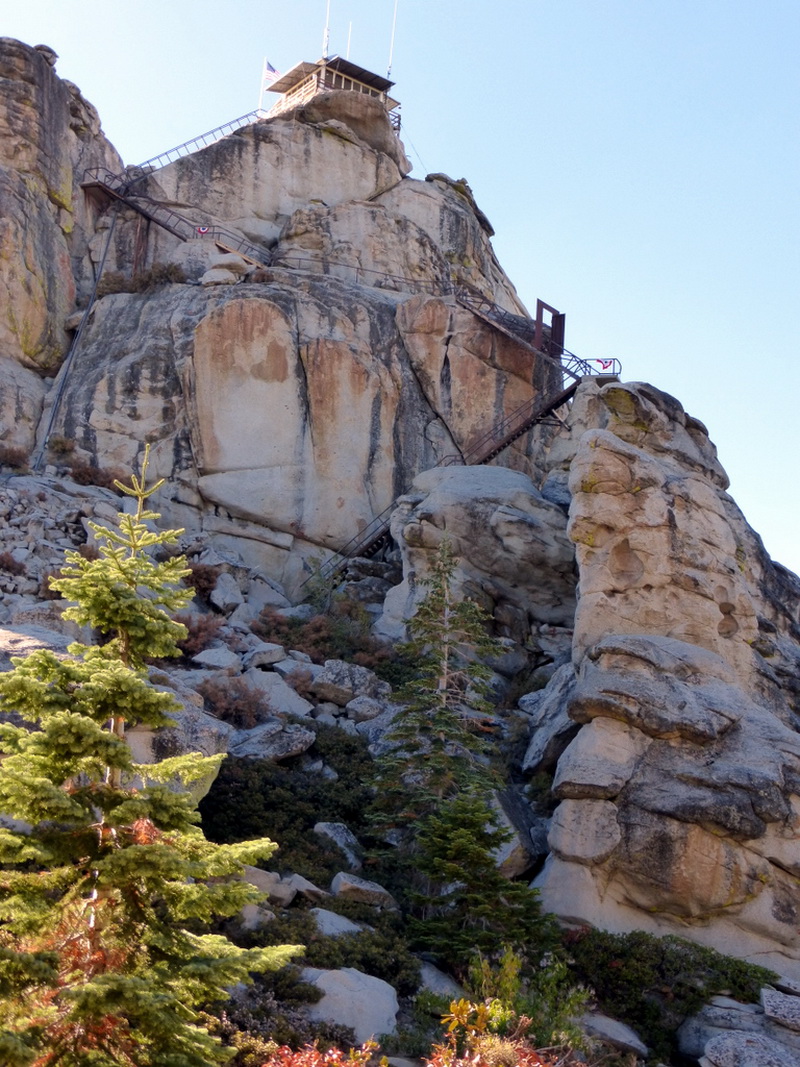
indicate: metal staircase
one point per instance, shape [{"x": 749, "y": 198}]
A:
[
  {"x": 186, "y": 149},
  {"x": 119, "y": 187},
  {"x": 521, "y": 330}
]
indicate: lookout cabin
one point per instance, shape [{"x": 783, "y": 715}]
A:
[{"x": 310, "y": 79}]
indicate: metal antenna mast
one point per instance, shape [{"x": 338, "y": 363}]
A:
[
  {"x": 391, "y": 46},
  {"x": 327, "y": 36}
]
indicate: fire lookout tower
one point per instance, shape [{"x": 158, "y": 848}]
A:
[{"x": 306, "y": 80}]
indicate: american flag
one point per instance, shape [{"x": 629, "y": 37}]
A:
[{"x": 270, "y": 74}]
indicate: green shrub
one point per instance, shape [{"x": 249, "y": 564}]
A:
[
  {"x": 249, "y": 793},
  {"x": 546, "y": 996},
  {"x": 381, "y": 951},
  {"x": 654, "y": 983},
  {"x": 373, "y": 952}
]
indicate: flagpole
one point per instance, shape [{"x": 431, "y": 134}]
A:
[
  {"x": 391, "y": 46},
  {"x": 263, "y": 80},
  {"x": 327, "y": 36}
]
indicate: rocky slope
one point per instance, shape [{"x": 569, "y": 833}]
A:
[{"x": 286, "y": 406}]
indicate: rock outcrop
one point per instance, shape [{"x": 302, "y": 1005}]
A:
[
  {"x": 671, "y": 724},
  {"x": 681, "y": 792},
  {"x": 49, "y": 134},
  {"x": 287, "y": 405}
]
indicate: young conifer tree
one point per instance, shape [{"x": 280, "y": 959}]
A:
[
  {"x": 435, "y": 789},
  {"x": 106, "y": 888},
  {"x": 465, "y": 905},
  {"x": 437, "y": 749}
]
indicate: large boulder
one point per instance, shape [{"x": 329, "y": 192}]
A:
[
  {"x": 350, "y": 998},
  {"x": 342, "y": 682},
  {"x": 513, "y": 553}
]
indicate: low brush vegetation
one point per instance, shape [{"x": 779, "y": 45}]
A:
[
  {"x": 381, "y": 949},
  {"x": 655, "y": 983},
  {"x": 284, "y": 800},
  {"x": 201, "y": 632},
  {"x": 343, "y": 632},
  {"x": 16, "y": 459},
  {"x": 146, "y": 281},
  {"x": 9, "y": 565},
  {"x": 202, "y": 577},
  {"x": 90, "y": 474},
  {"x": 235, "y": 701},
  {"x": 121, "y": 926}
]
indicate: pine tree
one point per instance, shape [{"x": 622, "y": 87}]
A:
[
  {"x": 437, "y": 749},
  {"x": 435, "y": 788},
  {"x": 106, "y": 888},
  {"x": 465, "y": 905}
]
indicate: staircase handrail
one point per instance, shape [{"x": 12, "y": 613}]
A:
[
  {"x": 523, "y": 330},
  {"x": 187, "y": 147},
  {"x": 495, "y": 440},
  {"x": 372, "y": 531},
  {"x": 177, "y": 224},
  {"x": 512, "y": 426}
]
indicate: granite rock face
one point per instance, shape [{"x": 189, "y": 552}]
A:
[
  {"x": 290, "y": 405},
  {"x": 49, "y": 134},
  {"x": 515, "y": 557},
  {"x": 679, "y": 793}
]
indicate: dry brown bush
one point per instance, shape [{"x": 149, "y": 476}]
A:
[
  {"x": 11, "y": 565},
  {"x": 235, "y": 702},
  {"x": 45, "y": 591},
  {"x": 202, "y": 579},
  {"x": 16, "y": 458},
  {"x": 300, "y": 679},
  {"x": 59, "y": 446},
  {"x": 89, "y": 474},
  {"x": 144, "y": 282},
  {"x": 202, "y": 631}
]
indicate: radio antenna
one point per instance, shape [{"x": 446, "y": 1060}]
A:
[
  {"x": 327, "y": 35},
  {"x": 391, "y": 46}
]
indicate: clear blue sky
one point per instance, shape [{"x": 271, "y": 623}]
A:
[{"x": 638, "y": 159}]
